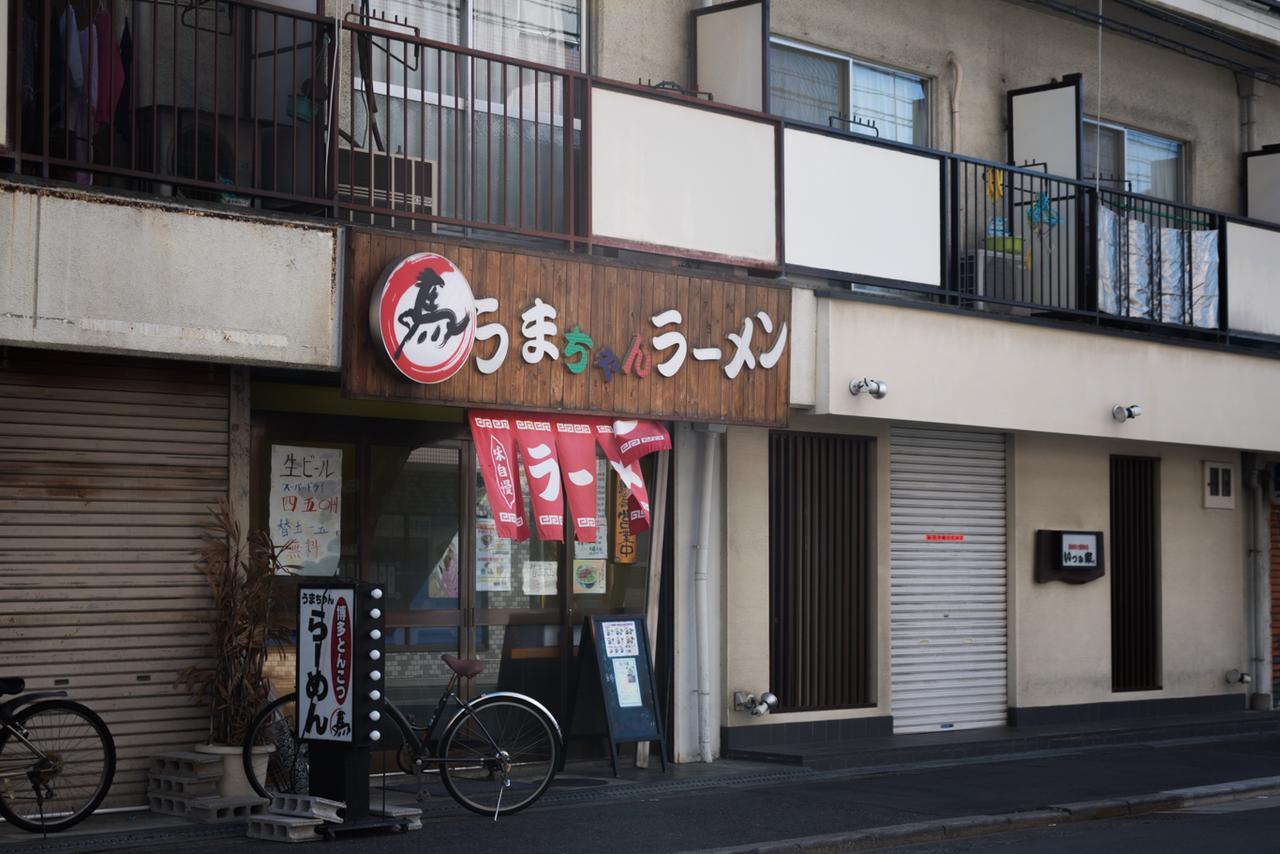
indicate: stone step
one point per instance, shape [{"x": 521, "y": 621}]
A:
[
  {"x": 284, "y": 828},
  {"x": 211, "y": 810},
  {"x": 187, "y": 787},
  {"x": 412, "y": 815},
  {"x": 169, "y": 804},
  {"x": 308, "y": 806},
  {"x": 191, "y": 766}
]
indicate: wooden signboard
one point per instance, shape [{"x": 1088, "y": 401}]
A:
[
  {"x": 569, "y": 333},
  {"x": 613, "y": 654}
]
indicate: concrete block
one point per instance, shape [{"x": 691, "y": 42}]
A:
[
  {"x": 186, "y": 787},
  {"x": 284, "y": 828},
  {"x": 169, "y": 804},
  {"x": 211, "y": 810},
  {"x": 411, "y": 815},
  {"x": 308, "y": 806},
  {"x": 195, "y": 766}
]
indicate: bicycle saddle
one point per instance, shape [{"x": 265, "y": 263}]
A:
[
  {"x": 466, "y": 668},
  {"x": 11, "y": 685}
]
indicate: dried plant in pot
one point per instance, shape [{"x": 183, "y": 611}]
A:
[{"x": 246, "y": 622}]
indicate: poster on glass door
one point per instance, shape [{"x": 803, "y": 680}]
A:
[{"x": 305, "y": 508}]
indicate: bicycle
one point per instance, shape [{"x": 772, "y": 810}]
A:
[
  {"x": 496, "y": 756},
  {"x": 57, "y": 759}
]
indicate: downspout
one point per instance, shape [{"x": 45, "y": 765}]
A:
[
  {"x": 957, "y": 78},
  {"x": 1247, "y": 88},
  {"x": 1260, "y": 586},
  {"x": 702, "y": 599}
]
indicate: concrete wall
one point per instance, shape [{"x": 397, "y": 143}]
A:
[
  {"x": 1000, "y": 46},
  {"x": 1061, "y": 633},
  {"x": 110, "y": 274},
  {"x": 979, "y": 371}
]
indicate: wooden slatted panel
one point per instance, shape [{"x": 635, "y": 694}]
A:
[
  {"x": 1135, "y": 575},
  {"x": 947, "y": 591},
  {"x": 819, "y": 571},
  {"x": 109, "y": 467},
  {"x": 1275, "y": 597}
]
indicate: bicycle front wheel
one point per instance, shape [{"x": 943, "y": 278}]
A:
[
  {"x": 57, "y": 759},
  {"x": 500, "y": 757},
  {"x": 276, "y": 761}
]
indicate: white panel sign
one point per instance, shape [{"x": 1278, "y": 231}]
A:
[
  {"x": 326, "y": 661},
  {"x": 730, "y": 50},
  {"x": 1252, "y": 255},
  {"x": 666, "y": 174},
  {"x": 1046, "y": 129},
  {"x": 1079, "y": 551},
  {"x": 1264, "y": 186},
  {"x": 860, "y": 209},
  {"x": 305, "y": 506}
]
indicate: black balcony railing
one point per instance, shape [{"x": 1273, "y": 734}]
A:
[
  {"x": 237, "y": 102},
  {"x": 213, "y": 100}
]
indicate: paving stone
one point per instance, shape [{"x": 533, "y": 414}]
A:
[
  {"x": 198, "y": 766},
  {"x": 188, "y": 787},
  {"x": 308, "y": 806},
  {"x": 210, "y": 810},
  {"x": 284, "y": 828}
]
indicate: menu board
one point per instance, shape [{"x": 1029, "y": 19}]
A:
[
  {"x": 614, "y": 651},
  {"x": 305, "y": 508}
]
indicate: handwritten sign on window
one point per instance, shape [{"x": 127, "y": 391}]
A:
[{"x": 305, "y": 507}]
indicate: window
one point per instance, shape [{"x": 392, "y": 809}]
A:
[
  {"x": 810, "y": 85},
  {"x": 549, "y": 32},
  {"x": 1127, "y": 159}
]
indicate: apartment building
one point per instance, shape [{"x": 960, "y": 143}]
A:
[{"x": 958, "y": 316}]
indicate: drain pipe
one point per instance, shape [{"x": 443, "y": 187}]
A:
[
  {"x": 956, "y": 80},
  {"x": 1247, "y": 89},
  {"x": 702, "y": 599},
  {"x": 1260, "y": 570}
]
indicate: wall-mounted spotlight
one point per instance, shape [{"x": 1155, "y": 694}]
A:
[
  {"x": 876, "y": 388},
  {"x": 1123, "y": 413}
]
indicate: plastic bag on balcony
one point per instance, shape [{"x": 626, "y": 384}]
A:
[
  {"x": 1109, "y": 280},
  {"x": 1173, "y": 275},
  {"x": 1204, "y": 279},
  {"x": 1138, "y": 273}
]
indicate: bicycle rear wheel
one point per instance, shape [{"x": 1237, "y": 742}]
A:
[
  {"x": 500, "y": 757},
  {"x": 56, "y": 765}
]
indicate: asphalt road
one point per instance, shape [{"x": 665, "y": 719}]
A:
[
  {"x": 1251, "y": 825},
  {"x": 721, "y": 816}
]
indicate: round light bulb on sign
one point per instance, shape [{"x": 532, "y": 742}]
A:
[
  {"x": 375, "y": 675},
  {"x": 374, "y": 654},
  {"x": 375, "y": 634},
  {"x": 375, "y": 614},
  {"x": 375, "y": 695},
  {"x": 423, "y": 316},
  {"x": 374, "y": 735},
  {"x": 375, "y": 715},
  {"x": 376, "y": 593}
]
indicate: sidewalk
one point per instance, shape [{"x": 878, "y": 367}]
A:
[{"x": 736, "y": 805}]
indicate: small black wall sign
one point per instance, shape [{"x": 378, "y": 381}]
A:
[{"x": 1071, "y": 556}]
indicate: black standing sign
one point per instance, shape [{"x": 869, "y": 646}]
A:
[{"x": 614, "y": 654}]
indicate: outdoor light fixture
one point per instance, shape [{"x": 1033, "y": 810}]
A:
[
  {"x": 375, "y": 675},
  {"x": 374, "y": 634},
  {"x": 374, "y": 654},
  {"x": 1123, "y": 413},
  {"x": 765, "y": 703},
  {"x": 876, "y": 388},
  {"x": 374, "y": 735},
  {"x": 375, "y": 715},
  {"x": 375, "y": 695},
  {"x": 376, "y": 593},
  {"x": 375, "y": 614}
]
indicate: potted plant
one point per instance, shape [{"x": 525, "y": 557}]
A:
[{"x": 246, "y": 622}]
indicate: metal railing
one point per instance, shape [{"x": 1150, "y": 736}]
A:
[
  {"x": 213, "y": 100},
  {"x": 440, "y": 135}
]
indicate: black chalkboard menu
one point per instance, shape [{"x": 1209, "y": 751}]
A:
[{"x": 614, "y": 665}]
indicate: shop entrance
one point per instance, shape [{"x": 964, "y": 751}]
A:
[{"x": 416, "y": 519}]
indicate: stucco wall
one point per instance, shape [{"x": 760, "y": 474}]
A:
[
  {"x": 1000, "y": 46},
  {"x": 110, "y": 274},
  {"x": 1062, "y": 633},
  {"x": 990, "y": 372}
]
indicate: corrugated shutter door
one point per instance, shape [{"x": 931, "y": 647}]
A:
[
  {"x": 108, "y": 469},
  {"x": 947, "y": 579}
]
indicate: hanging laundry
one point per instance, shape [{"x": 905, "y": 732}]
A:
[
  {"x": 110, "y": 69},
  {"x": 124, "y": 126}
]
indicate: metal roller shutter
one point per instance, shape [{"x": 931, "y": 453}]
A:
[
  {"x": 947, "y": 579},
  {"x": 108, "y": 468}
]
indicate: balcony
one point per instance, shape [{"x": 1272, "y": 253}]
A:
[{"x": 365, "y": 121}]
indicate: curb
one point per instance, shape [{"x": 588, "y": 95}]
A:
[{"x": 938, "y": 830}]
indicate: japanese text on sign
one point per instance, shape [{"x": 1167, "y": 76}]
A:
[
  {"x": 305, "y": 506},
  {"x": 1079, "y": 551},
  {"x": 326, "y": 659}
]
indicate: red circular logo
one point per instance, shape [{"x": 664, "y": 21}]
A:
[{"x": 424, "y": 314}]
